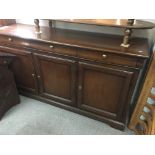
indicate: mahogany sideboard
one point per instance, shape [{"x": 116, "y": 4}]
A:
[{"x": 87, "y": 73}]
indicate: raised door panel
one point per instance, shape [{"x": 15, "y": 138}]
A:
[
  {"x": 103, "y": 90},
  {"x": 57, "y": 78},
  {"x": 23, "y": 70}
]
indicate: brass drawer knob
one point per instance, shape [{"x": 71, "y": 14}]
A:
[
  {"x": 80, "y": 87},
  {"x": 104, "y": 56},
  {"x": 5, "y": 62},
  {"x": 10, "y": 39},
  {"x": 51, "y": 46}
]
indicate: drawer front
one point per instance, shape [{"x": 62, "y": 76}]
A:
[
  {"x": 54, "y": 48},
  {"x": 12, "y": 40},
  {"x": 44, "y": 47},
  {"x": 17, "y": 43},
  {"x": 105, "y": 57},
  {"x": 5, "y": 39}
]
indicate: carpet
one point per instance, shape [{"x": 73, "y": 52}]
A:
[{"x": 33, "y": 117}]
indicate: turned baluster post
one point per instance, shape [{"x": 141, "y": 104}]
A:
[
  {"x": 37, "y": 26},
  {"x": 127, "y": 33}
]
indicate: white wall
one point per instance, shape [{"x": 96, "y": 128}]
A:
[{"x": 92, "y": 28}]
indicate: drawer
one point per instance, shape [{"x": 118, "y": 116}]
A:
[
  {"x": 5, "y": 39},
  {"x": 13, "y": 41},
  {"x": 106, "y": 57},
  {"x": 38, "y": 45},
  {"x": 54, "y": 48}
]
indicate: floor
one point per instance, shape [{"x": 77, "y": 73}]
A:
[{"x": 33, "y": 117}]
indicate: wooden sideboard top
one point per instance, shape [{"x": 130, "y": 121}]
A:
[
  {"x": 139, "y": 47},
  {"x": 121, "y": 23}
]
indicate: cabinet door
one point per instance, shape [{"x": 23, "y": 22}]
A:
[
  {"x": 57, "y": 78},
  {"x": 103, "y": 90},
  {"x": 23, "y": 70}
]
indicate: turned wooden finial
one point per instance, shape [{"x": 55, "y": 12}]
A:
[
  {"x": 127, "y": 33},
  {"x": 130, "y": 22},
  {"x": 37, "y": 27},
  {"x": 50, "y": 23}
]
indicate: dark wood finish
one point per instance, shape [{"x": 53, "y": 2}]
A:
[
  {"x": 128, "y": 24},
  {"x": 24, "y": 35},
  {"x": 104, "y": 90},
  {"x": 61, "y": 61},
  {"x": 106, "y": 57},
  {"x": 57, "y": 78},
  {"x": 8, "y": 92}
]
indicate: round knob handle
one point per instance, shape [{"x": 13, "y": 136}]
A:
[
  {"x": 38, "y": 76},
  {"x": 5, "y": 62},
  {"x": 51, "y": 46},
  {"x": 10, "y": 39},
  {"x": 33, "y": 75},
  {"x": 80, "y": 87},
  {"x": 104, "y": 56}
]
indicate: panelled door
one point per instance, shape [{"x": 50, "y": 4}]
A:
[
  {"x": 57, "y": 78},
  {"x": 103, "y": 90}
]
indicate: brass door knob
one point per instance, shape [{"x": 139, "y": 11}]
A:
[
  {"x": 51, "y": 46},
  {"x": 104, "y": 56},
  {"x": 10, "y": 39},
  {"x": 5, "y": 62},
  {"x": 80, "y": 87}
]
